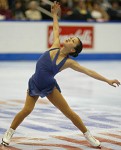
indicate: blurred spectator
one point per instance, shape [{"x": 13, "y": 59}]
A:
[
  {"x": 19, "y": 10},
  {"x": 115, "y": 11},
  {"x": 33, "y": 13},
  {"x": 99, "y": 14},
  {"x": 5, "y": 13},
  {"x": 105, "y": 4},
  {"x": 10, "y": 4},
  {"x": 65, "y": 9},
  {"x": 80, "y": 12}
]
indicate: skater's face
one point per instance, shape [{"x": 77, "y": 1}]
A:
[{"x": 71, "y": 42}]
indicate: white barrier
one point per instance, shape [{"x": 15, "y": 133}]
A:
[{"x": 32, "y": 37}]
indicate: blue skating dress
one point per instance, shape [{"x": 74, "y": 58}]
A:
[{"x": 42, "y": 81}]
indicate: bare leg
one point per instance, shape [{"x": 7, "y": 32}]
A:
[
  {"x": 58, "y": 100},
  {"x": 27, "y": 109}
]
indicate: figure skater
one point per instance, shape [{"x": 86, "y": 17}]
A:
[{"x": 42, "y": 82}]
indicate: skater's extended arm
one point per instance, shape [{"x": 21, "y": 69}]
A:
[
  {"x": 77, "y": 67},
  {"x": 54, "y": 10}
]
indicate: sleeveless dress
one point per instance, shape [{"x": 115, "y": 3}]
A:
[{"x": 42, "y": 81}]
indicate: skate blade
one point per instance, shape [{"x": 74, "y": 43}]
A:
[{"x": 99, "y": 146}]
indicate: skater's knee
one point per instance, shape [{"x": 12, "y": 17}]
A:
[{"x": 26, "y": 111}]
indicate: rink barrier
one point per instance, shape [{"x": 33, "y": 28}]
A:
[
  {"x": 36, "y": 37},
  {"x": 81, "y": 57}
]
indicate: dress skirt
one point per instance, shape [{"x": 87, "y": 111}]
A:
[{"x": 33, "y": 90}]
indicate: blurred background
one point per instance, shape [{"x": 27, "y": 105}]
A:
[{"x": 81, "y": 10}]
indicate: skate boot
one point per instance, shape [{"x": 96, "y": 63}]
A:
[
  {"x": 7, "y": 137},
  {"x": 92, "y": 140}
]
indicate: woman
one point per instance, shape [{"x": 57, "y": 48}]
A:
[
  {"x": 42, "y": 83},
  {"x": 98, "y": 13}
]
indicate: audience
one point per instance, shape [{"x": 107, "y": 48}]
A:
[
  {"x": 32, "y": 13},
  {"x": 18, "y": 10},
  {"x": 115, "y": 11},
  {"x": 98, "y": 13},
  {"x": 65, "y": 8},
  {"x": 81, "y": 10},
  {"x": 5, "y": 12}
]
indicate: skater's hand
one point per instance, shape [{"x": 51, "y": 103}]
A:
[
  {"x": 55, "y": 8},
  {"x": 114, "y": 82}
]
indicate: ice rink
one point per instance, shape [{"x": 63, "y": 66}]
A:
[{"x": 46, "y": 128}]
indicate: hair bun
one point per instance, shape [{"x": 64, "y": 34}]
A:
[{"x": 73, "y": 54}]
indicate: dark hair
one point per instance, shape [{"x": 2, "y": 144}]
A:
[{"x": 78, "y": 49}]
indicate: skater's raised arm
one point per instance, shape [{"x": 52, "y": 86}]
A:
[
  {"x": 54, "y": 10},
  {"x": 77, "y": 67}
]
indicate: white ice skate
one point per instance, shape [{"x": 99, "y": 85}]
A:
[
  {"x": 7, "y": 137},
  {"x": 92, "y": 140}
]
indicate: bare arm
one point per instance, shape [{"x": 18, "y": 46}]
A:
[
  {"x": 75, "y": 66},
  {"x": 54, "y": 10}
]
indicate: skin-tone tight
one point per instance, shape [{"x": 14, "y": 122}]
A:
[
  {"x": 27, "y": 109},
  {"x": 58, "y": 101}
]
